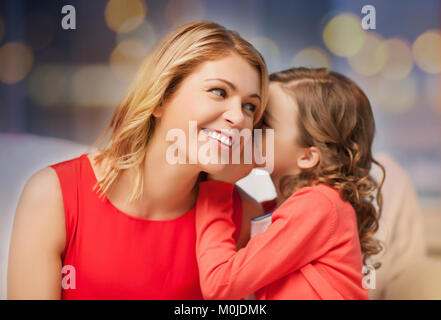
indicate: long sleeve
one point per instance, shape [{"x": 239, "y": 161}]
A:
[{"x": 302, "y": 230}]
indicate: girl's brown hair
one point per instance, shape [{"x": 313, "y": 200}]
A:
[{"x": 335, "y": 116}]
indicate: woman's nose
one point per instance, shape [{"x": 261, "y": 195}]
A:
[{"x": 234, "y": 114}]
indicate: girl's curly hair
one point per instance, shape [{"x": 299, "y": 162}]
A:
[{"x": 335, "y": 116}]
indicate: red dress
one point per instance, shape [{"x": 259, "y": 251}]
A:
[{"x": 117, "y": 256}]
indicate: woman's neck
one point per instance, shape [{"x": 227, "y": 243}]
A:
[{"x": 168, "y": 190}]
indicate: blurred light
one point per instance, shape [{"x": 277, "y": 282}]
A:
[
  {"x": 181, "y": 11},
  {"x": 48, "y": 85},
  {"x": 433, "y": 92},
  {"x": 125, "y": 15},
  {"x": 86, "y": 86},
  {"x": 427, "y": 51},
  {"x": 133, "y": 48},
  {"x": 126, "y": 58},
  {"x": 2, "y": 29},
  {"x": 94, "y": 86},
  {"x": 371, "y": 58},
  {"x": 144, "y": 34},
  {"x": 39, "y": 30},
  {"x": 16, "y": 60},
  {"x": 343, "y": 35},
  {"x": 269, "y": 51},
  {"x": 399, "y": 59},
  {"x": 396, "y": 96},
  {"x": 369, "y": 85},
  {"x": 313, "y": 57}
]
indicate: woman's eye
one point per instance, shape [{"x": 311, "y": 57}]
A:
[
  {"x": 219, "y": 92},
  {"x": 251, "y": 107}
]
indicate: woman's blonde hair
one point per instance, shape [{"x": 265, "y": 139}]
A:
[
  {"x": 335, "y": 116},
  {"x": 160, "y": 75}
]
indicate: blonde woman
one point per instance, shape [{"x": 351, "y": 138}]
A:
[{"x": 119, "y": 223}]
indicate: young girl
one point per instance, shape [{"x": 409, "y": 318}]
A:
[{"x": 321, "y": 233}]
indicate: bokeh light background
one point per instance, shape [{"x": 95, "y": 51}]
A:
[{"x": 66, "y": 83}]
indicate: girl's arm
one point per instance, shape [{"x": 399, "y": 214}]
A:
[
  {"x": 250, "y": 209},
  {"x": 38, "y": 239},
  {"x": 302, "y": 230}
]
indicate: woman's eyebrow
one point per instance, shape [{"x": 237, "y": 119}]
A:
[{"x": 233, "y": 87}]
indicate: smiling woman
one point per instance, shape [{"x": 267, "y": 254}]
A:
[
  {"x": 122, "y": 218},
  {"x": 219, "y": 95}
]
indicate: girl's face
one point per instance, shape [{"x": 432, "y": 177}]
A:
[
  {"x": 280, "y": 115},
  {"x": 223, "y": 94}
]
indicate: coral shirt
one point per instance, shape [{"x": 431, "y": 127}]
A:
[
  {"x": 117, "y": 256},
  {"x": 310, "y": 250}
]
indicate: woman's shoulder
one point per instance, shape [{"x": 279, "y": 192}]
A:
[
  {"x": 41, "y": 205},
  {"x": 42, "y": 184},
  {"x": 47, "y": 192},
  {"x": 74, "y": 174},
  {"x": 69, "y": 164},
  {"x": 46, "y": 187},
  {"x": 42, "y": 189}
]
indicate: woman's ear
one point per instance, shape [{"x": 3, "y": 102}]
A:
[
  {"x": 157, "y": 113},
  {"x": 309, "y": 158}
]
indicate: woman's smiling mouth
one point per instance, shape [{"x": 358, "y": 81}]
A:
[{"x": 219, "y": 136}]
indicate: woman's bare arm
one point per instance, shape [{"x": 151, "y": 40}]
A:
[{"x": 38, "y": 239}]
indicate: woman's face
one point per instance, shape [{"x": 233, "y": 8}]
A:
[
  {"x": 223, "y": 94},
  {"x": 280, "y": 115}
]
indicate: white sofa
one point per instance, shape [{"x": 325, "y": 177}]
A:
[{"x": 407, "y": 273}]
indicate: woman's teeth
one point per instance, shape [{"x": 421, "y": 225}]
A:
[{"x": 218, "y": 136}]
